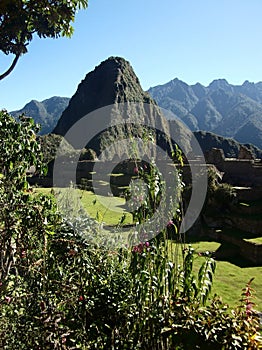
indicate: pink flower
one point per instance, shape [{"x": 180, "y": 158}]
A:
[
  {"x": 140, "y": 247},
  {"x": 8, "y": 299},
  {"x": 249, "y": 307},
  {"x": 247, "y": 292},
  {"x": 170, "y": 223},
  {"x": 136, "y": 170},
  {"x": 135, "y": 249}
]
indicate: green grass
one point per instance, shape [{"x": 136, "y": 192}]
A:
[
  {"x": 102, "y": 208},
  {"x": 231, "y": 279},
  {"x": 257, "y": 240},
  {"x": 244, "y": 204}
]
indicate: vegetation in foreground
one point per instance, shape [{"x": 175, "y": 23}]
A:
[
  {"x": 59, "y": 291},
  {"x": 228, "y": 279}
]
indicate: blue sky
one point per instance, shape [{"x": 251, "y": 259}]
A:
[{"x": 193, "y": 40}]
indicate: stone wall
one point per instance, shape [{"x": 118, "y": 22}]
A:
[
  {"x": 244, "y": 223},
  {"x": 248, "y": 193},
  {"x": 248, "y": 250},
  {"x": 85, "y": 170},
  {"x": 237, "y": 172}
]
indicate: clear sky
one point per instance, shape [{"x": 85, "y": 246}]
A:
[{"x": 193, "y": 40}]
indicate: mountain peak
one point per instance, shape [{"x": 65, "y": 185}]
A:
[
  {"x": 115, "y": 60},
  {"x": 248, "y": 83},
  {"x": 112, "y": 81},
  {"x": 221, "y": 107},
  {"x": 219, "y": 84},
  {"x": 176, "y": 80}
]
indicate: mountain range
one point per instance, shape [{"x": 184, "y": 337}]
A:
[
  {"x": 228, "y": 110},
  {"x": 231, "y": 111}
]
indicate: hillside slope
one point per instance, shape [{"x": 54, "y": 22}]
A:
[{"x": 46, "y": 113}]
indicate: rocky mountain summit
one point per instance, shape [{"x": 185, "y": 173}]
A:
[
  {"x": 230, "y": 147},
  {"x": 111, "y": 96},
  {"x": 113, "y": 81}
]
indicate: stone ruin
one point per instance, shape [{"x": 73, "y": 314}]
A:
[
  {"x": 245, "y": 153},
  {"x": 243, "y": 171}
]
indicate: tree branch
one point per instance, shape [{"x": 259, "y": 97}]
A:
[{"x": 9, "y": 70}]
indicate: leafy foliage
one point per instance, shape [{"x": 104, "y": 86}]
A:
[
  {"x": 19, "y": 150},
  {"x": 20, "y": 20}
]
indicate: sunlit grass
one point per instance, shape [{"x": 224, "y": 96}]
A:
[
  {"x": 231, "y": 279},
  {"x": 257, "y": 240},
  {"x": 108, "y": 210}
]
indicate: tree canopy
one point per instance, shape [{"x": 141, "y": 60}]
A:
[{"x": 21, "y": 19}]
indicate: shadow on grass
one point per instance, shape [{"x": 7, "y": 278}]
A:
[
  {"x": 225, "y": 252},
  {"x": 230, "y": 253}
]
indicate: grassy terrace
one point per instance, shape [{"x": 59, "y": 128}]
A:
[
  {"x": 257, "y": 240},
  {"x": 229, "y": 278},
  {"x": 102, "y": 208}
]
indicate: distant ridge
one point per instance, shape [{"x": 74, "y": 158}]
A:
[
  {"x": 228, "y": 110},
  {"x": 46, "y": 113},
  {"x": 231, "y": 147}
]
